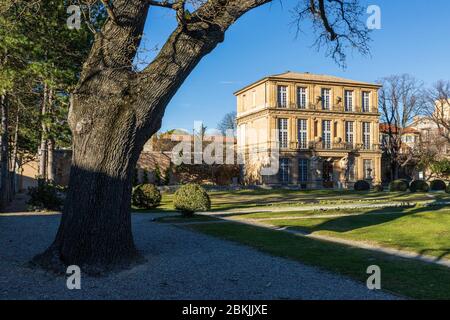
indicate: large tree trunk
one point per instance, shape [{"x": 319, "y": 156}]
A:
[
  {"x": 114, "y": 111},
  {"x": 95, "y": 230}
]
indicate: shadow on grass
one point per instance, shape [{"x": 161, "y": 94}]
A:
[
  {"x": 374, "y": 218},
  {"x": 368, "y": 219},
  {"x": 258, "y": 198}
]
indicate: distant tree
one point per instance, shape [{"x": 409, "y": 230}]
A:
[
  {"x": 437, "y": 105},
  {"x": 441, "y": 168},
  {"x": 43, "y": 66},
  {"x": 228, "y": 122},
  {"x": 201, "y": 132},
  {"x": 399, "y": 104}
]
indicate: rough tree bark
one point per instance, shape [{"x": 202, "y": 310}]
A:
[{"x": 114, "y": 111}]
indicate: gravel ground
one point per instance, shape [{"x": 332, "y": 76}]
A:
[{"x": 180, "y": 265}]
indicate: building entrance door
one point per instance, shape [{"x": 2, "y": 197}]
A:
[{"x": 327, "y": 175}]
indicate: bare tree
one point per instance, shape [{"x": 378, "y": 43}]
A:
[
  {"x": 437, "y": 105},
  {"x": 116, "y": 109},
  {"x": 228, "y": 122},
  {"x": 399, "y": 102}
]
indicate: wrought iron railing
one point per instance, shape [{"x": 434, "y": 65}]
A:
[
  {"x": 341, "y": 146},
  {"x": 318, "y": 107}
]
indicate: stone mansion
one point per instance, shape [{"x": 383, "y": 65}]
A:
[{"x": 325, "y": 128}]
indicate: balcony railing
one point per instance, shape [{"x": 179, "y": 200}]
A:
[
  {"x": 342, "y": 146},
  {"x": 318, "y": 107},
  {"x": 370, "y": 147},
  {"x": 331, "y": 146}
]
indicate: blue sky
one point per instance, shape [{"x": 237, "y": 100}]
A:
[{"x": 414, "y": 38}]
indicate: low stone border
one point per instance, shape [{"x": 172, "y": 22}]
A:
[{"x": 314, "y": 208}]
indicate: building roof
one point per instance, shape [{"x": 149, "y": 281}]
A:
[
  {"x": 384, "y": 128},
  {"x": 410, "y": 130},
  {"x": 309, "y": 77}
]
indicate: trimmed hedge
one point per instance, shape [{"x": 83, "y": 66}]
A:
[
  {"x": 191, "y": 198},
  {"x": 46, "y": 196},
  {"x": 362, "y": 185},
  {"x": 419, "y": 185},
  {"x": 146, "y": 196},
  {"x": 398, "y": 185},
  {"x": 437, "y": 185}
]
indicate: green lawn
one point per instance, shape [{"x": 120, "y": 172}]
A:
[
  {"x": 229, "y": 200},
  {"x": 422, "y": 230},
  {"x": 406, "y": 277},
  {"x": 312, "y": 213}
]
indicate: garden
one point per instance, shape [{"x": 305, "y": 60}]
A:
[{"x": 415, "y": 219}]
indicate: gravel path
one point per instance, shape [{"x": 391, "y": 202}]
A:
[{"x": 181, "y": 265}]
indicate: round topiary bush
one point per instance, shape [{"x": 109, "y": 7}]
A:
[
  {"x": 191, "y": 198},
  {"x": 437, "y": 185},
  {"x": 447, "y": 189},
  {"x": 419, "y": 186},
  {"x": 398, "y": 185},
  {"x": 146, "y": 196},
  {"x": 362, "y": 185},
  {"x": 378, "y": 188}
]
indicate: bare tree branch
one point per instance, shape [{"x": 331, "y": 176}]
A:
[
  {"x": 110, "y": 10},
  {"x": 163, "y": 4},
  {"x": 338, "y": 26}
]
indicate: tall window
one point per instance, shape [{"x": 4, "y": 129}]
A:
[
  {"x": 283, "y": 132},
  {"x": 365, "y": 101},
  {"x": 349, "y": 133},
  {"x": 326, "y": 134},
  {"x": 284, "y": 170},
  {"x": 303, "y": 165},
  {"x": 366, "y": 135},
  {"x": 325, "y": 99},
  {"x": 282, "y": 96},
  {"x": 301, "y": 98},
  {"x": 348, "y": 100},
  {"x": 302, "y": 133},
  {"x": 368, "y": 169},
  {"x": 351, "y": 169}
]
